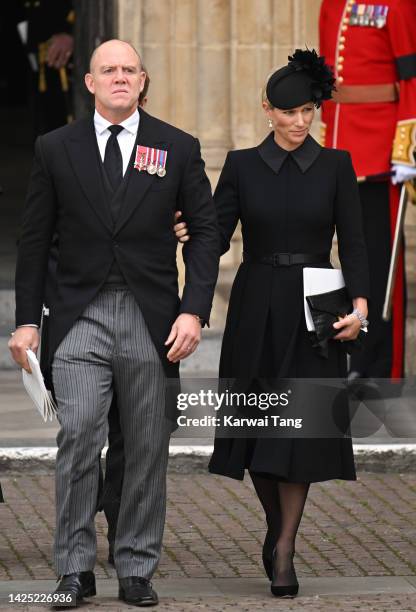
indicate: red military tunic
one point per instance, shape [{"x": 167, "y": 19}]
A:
[
  {"x": 372, "y": 49},
  {"x": 371, "y": 55}
]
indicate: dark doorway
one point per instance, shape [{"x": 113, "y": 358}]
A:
[{"x": 94, "y": 23}]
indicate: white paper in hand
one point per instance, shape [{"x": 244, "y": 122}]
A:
[
  {"x": 36, "y": 389},
  {"x": 316, "y": 281}
]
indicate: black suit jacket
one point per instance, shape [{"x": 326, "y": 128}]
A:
[{"x": 66, "y": 196}]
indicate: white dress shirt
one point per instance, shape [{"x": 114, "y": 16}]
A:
[{"x": 126, "y": 138}]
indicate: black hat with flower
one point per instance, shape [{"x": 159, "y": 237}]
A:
[{"x": 306, "y": 78}]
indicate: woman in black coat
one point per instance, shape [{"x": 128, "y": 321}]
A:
[{"x": 290, "y": 195}]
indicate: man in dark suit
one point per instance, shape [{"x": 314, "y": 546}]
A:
[
  {"x": 115, "y": 310},
  {"x": 111, "y": 484}
]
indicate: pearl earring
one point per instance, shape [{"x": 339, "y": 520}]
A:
[{"x": 270, "y": 123}]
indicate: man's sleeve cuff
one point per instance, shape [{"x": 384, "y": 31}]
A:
[
  {"x": 404, "y": 144},
  {"x": 28, "y": 325}
]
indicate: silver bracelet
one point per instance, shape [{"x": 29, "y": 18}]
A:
[{"x": 364, "y": 322}]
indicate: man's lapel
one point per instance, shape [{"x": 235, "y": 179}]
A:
[
  {"x": 83, "y": 152},
  {"x": 138, "y": 183}
]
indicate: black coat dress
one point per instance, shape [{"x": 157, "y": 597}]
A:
[{"x": 287, "y": 203}]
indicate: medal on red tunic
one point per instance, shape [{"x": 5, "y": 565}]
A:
[
  {"x": 361, "y": 14},
  {"x": 381, "y": 15},
  {"x": 367, "y": 14},
  {"x": 354, "y": 15}
]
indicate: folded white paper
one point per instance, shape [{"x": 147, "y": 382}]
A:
[
  {"x": 36, "y": 389},
  {"x": 316, "y": 281}
]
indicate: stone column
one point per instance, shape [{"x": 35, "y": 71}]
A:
[
  {"x": 157, "y": 47},
  {"x": 184, "y": 74},
  {"x": 251, "y": 60},
  {"x": 130, "y": 22},
  {"x": 213, "y": 80}
]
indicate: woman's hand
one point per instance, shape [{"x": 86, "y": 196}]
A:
[
  {"x": 350, "y": 328},
  {"x": 181, "y": 229},
  {"x": 350, "y": 325}
]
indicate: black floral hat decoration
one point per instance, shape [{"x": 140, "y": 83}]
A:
[{"x": 306, "y": 78}]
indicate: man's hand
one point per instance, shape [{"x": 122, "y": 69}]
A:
[
  {"x": 181, "y": 229},
  {"x": 24, "y": 338},
  {"x": 60, "y": 50},
  {"x": 185, "y": 335}
]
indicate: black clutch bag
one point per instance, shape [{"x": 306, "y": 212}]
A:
[{"x": 326, "y": 309}]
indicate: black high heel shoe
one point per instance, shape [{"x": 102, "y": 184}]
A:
[
  {"x": 267, "y": 554},
  {"x": 286, "y": 590}
]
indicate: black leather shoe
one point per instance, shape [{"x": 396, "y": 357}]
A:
[
  {"x": 286, "y": 590},
  {"x": 79, "y": 585},
  {"x": 137, "y": 591}
]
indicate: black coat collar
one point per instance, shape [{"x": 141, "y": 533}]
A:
[
  {"x": 81, "y": 145},
  {"x": 274, "y": 156}
]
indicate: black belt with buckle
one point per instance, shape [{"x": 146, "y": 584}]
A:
[{"x": 287, "y": 259}]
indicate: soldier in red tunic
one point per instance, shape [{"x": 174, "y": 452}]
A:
[{"x": 372, "y": 48}]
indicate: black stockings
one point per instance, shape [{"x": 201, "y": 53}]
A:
[
  {"x": 283, "y": 504},
  {"x": 292, "y": 502},
  {"x": 268, "y": 494}
]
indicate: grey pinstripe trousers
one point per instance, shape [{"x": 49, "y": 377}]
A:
[{"x": 109, "y": 347}]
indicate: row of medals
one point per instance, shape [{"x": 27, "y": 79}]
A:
[
  {"x": 368, "y": 18},
  {"x": 152, "y": 169}
]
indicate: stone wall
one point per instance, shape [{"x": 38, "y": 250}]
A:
[{"x": 208, "y": 60}]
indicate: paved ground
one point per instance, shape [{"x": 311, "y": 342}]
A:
[{"x": 355, "y": 549}]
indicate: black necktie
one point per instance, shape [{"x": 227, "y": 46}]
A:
[{"x": 113, "y": 161}]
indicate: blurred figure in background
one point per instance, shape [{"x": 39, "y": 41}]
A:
[
  {"x": 46, "y": 30},
  {"x": 372, "y": 48}
]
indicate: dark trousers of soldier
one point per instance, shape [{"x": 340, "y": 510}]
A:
[
  {"x": 52, "y": 107},
  {"x": 375, "y": 360}
]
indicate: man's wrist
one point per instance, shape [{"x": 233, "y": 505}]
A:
[
  {"x": 200, "y": 320},
  {"x": 28, "y": 325},
  {"x": 24, "y": 325}
]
